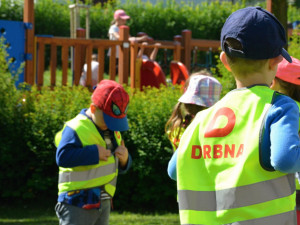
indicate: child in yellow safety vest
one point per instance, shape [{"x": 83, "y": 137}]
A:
[
  {"x": 287, "y": 81},
  {"x": 90, "y": 155},
  {"x": 236, "y": 161},
  {"x": 201, "y": 91}
]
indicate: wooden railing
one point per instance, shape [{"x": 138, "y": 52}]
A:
[{"x": 83, "y": 49}]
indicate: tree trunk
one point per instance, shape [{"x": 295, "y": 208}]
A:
[{"x": 279, "y": 8}]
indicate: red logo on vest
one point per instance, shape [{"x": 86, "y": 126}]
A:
[
  {"x": 221, "y": 132},
  {"x": 118, "y": 134}
]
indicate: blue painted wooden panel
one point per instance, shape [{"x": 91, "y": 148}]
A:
[{"x": 14, "y": 34}]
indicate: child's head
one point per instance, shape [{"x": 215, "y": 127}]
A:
[
  {"x": 287, "y": 80},
  {"x": 251, "y": 36},
  {"x": 205, "y": 72},
  {"x": 94, "y": 57},
  {"x": 110, "y": 103},
  {"x": 120, "y": 17},
  {"x": 202, "y": 90}
]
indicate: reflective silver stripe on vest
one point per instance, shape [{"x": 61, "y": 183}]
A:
[
  {"x": 87, "y": 175},
  {"x": 238, "y": 196},
  {"x": 114, "y": 181},
  {"x": 288, "y": 218}
]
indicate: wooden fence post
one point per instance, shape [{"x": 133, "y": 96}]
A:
[
  {"x": 79, "y": 56},
  {"x": 89, "y": 52},
  {"x": 53, "y": 64},
  {"x": 186, "y": 43},
  {"x": 28, "y": 17},
  {"x": 269, "y": 5},
  {"x": 134, "y": 79},
  {"x": 124, "y": 55},
  {"x": 177, "y": 51}
]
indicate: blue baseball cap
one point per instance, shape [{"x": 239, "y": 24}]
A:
[{"x": 260, "y": 33}]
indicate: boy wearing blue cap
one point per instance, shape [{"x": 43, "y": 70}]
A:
[
  {"x": 90, "y": 152},
  {"x": 236, "y": 160}
]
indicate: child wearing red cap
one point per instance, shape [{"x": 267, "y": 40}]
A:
[
  {"x": 287, "y": 81},
  {"x": 90, "y": 153}
]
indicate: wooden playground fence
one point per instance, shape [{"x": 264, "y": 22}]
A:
[{"x": 83, "y": 49}]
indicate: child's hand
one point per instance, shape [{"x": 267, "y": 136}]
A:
[
  {"x": 103, "y": 153},
  {"x": 122, "y": 154}
]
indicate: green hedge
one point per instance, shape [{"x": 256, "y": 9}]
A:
[
  {"x": 53, "y": 17},
  {"x": 31, "y": 118},
  {"x": 204, "y": 20}
]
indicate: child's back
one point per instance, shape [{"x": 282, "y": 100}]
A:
[{"x": 235, "y": 158}]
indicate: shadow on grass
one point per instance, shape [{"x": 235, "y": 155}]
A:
[{"x": 31, "y": 214}]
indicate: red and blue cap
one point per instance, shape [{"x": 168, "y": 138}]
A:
[
  {"x": 110, "y": 97},
  {"x": 260, "y": 33}
]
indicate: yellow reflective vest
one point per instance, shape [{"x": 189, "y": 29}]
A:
[
  {"x": 219, "y": 176},
  {"x": 82, "y": 177},
  {"x": 175, "y": 141}
]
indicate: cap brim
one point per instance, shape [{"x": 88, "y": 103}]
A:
[
  {"x": 125, "y": 17},
  {"x": 116, "y": 124},
  {"x": 195, "y": 101},
  {"x": 286, "y": 55}
]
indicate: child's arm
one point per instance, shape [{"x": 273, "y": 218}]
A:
[
  {"x": 124, "y": 157},
  {"x": 141, "y": 51},
  {"x": 154, "y": 52},
  {"x": 70, "y": 152},
  {"x": 172, "y": 166},
  {"x": 282, "y": 126},
  {"x": 116, "y": 35},
  {"x": 139, "y": 39}
]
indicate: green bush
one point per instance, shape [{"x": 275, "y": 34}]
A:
[
  {"x": 45, "y": 115},
  {"x": 147, "y": 185},
  {"x": 11, "y": 10},
  {"x": 14, "y": 169},
  {"x": 204, "y": 20},
  {"x": 294, "y": 46},
  {"x": 36, "y": 115},
  {"x": 53, "y": 17}
]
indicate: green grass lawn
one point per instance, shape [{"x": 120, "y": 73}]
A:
[{"x": 45, "y": 215}]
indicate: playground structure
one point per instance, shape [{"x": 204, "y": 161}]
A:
[
  {"x": 183, "y": 46},
  {"x": 126, "y": 68}
]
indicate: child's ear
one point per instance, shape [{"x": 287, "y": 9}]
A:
[
  {"x": 273, "y": 84},
  {"x": 93, "y": 108},
  {"x": 274, "y": 62},
  {"x": 223, "y": 59}
]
